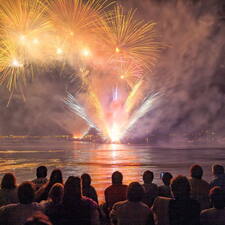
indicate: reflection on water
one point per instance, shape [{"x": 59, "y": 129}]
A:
[{"x": 101, "y": 160}]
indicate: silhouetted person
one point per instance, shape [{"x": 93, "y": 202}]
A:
[
  {"x": 216, "y": 214},
  {"x": 76, "y": 209},
  {"x": 55, "y": 197},
  {"x": 151, "y": 189},
  {"x": 18, "y": 213},
  {"x": 38, "y": 219},
  {"x": 56, "y": 177},
  {"x": 41, "y": 179},
  {"x": 133, "y": 210},
  {"x": 199, "y": 187},
  {"x": 218, "y": 172},
  {"x": 115, "y": 192},
  {"x": 87, "y": 189},
  {"x": 164, "y": 190},
  {"x": 182, "y": 209},
  {"x": 8, "y": 191}
]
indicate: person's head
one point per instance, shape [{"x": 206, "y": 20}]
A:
[
  {"x": 166, "y": 178},
  {"x": 26, "y": 193},
  {"x": 135, "y": 192},
  {"x": 72, "y": 191},
  {"x": 56, "y": 177},
  {"x": 217, "y": 197},
  {"x": 117, "y": 178},
  {"x": 217, "y": 170},
  {"x": 8, "y": 181},
  {"x": 56, "y": 192},
  {"x": 86, "y": 180},
  {"x": 41, "y": 172},
  {"x": 148, "y": 177},
  {"x": 180, "y": 187},
  {"x": 196, "y": 171},
  {"x": 38, "y": 219}
]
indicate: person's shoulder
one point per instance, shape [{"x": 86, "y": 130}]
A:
[
  {"x": 124, "y": 186},
  {"x": 36, "y": 205},
  {"x": 89, "y": 202},
  {"x": 120, "y": 204},
  {"x": 108, "y": 189},
  {"x": 9, "y": 207},
  {"x": 204, "y": 182},
  {"x": 144, "y": 206},
  {"x": 207, "y": 211}
]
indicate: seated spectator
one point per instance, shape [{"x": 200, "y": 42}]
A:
[
  {"x": 87, "y": 189},
  {"x": 18, "y": 213},
  {"x": 41, "y": 179},
  {"x": 132, "y": 211},
  {"x": 219, "y": 180},
  {"x": 199, "y": 187},
  {"x": 215, "y": 215},
  {"x": 8, "y": 191},
  {"x": 56, "y": 177},
  {"x": 182, "y": 209},
  {"x": 160, "y": 209},
  {"x": 55, "y": 197},
  {"x": 151, "y": 189},
  {"x": 115, "y": 192},
  {"x": 164, "y": 190},
  {"x": 38, "y": 219},
  {"x": 75, "y": 209}
]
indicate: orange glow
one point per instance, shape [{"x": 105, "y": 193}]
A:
[
  {"x": 59, "y": 51},
  {"x": 86, "y": 52},
  {"x": 122, "y": 77},
  {"x": 77, "y": 136},
  {"x": 16, "y": 63},
  {"x": 117, "y": 50},
  {"x": 114, "y": 133}
]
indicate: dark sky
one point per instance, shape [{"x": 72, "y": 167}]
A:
[{"x": 190, "y": 76}]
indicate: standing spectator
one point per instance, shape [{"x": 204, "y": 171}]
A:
[
  {"x": 115, "y": 192},
  {"x": 164, "y": 190},
  {"x": 215, "y": 215},
  {"x": 132, "y": 211},
  {"x": 18, "y": 213},
  {"x": 87, "y": 189},
  {"x": 8, "y": 191},
  {"x": 76, "y": 209},
  {"x": 218, "y": 172},
  {"x": 199, "y": 187},
  {"x": 41, "y": 179},
  {"x": 182, "y": 209},
  {"x": 151, "y": 189},
  {"x": 56, "y": 177}
]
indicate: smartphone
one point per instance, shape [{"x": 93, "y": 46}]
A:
[{"x": 162, "y": 174}]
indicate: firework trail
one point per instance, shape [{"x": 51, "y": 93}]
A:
[
  {"x": 140, "y": 112},
  {"x": 76, "y": 108}
]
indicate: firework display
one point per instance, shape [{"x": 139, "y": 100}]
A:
[{"x": 110, "y": 47}]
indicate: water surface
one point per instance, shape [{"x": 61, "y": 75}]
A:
[{"x": 100, "y": 160}]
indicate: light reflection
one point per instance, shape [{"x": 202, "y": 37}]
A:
[{"x": 108, "y": 159}]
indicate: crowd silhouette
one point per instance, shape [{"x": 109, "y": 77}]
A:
[{"x": 178, "y": 201}]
